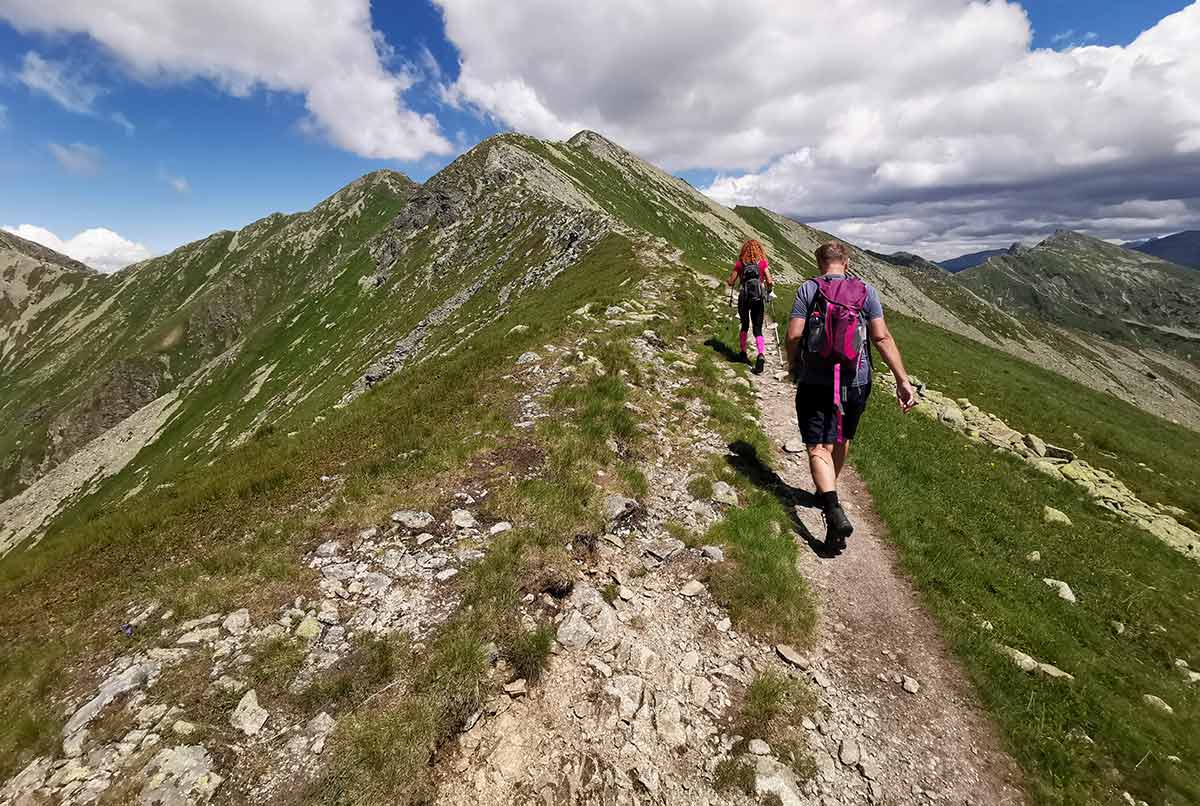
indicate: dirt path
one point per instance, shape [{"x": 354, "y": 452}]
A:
[{"x": 936, "y": 744}]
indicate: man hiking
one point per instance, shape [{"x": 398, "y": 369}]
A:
[
  {"x": 756, "y": 283},
  {"x": 832, "y": 319}
]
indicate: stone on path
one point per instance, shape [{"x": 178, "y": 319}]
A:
[
  {"x": 617, "y": 507},
  {"x": 309, "y": 629},
  {"x": 178, "y": 776},
  {"x": 574, "y": 632},
  {"x": 1063, "y": 589},
  {"x": 248, "y": 717},
  {"x": 758, "y": 747},
  {"x": 692, "y": 588},
  {"x": 500, "y": 528},
  {"x": 237, "y": 622},
  {"x": 412, "y": 520},
  {"x": 794, "y": 445},
  {"x": 204, "y": 635},
  {"x": 772, "y": 777},
  {"x": 723, "y": 493},
  {"x": 1052, "y": 515},
  {"x": 115, "y": 685},
  {"x": 911, "y": 685},
  {"x": 714, "y": 553},
  {"x": 516, "y": 688},
  {"x": 791, "y": 656},
  {"x": 849, "y": 752},
  {"x": 626, "y": 689}
]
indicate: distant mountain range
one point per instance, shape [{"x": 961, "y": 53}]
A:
[
  {"x": 957, "y": 264},
  {"x": 1090, "y": 285},
  {"x": 1182, "y": 248}
]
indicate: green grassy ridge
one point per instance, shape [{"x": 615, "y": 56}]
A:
[
  {"x": 963, "y": 518},
  {"x": 237, "y": 530},
  {"x": 171, "y": 313}
]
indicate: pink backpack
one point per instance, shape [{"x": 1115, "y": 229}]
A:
[{"x": 834, "y": 332}]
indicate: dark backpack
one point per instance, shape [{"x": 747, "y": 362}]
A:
[
  {"x": 834, "y": 332},
  {"x": 752, "y": 284}
]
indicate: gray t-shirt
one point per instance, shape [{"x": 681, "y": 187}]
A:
[{"x": 873, "y": 309}]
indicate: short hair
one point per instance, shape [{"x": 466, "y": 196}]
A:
[{"x": 831, "y": 252}]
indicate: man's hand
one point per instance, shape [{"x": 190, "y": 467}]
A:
[{"x": 906, "y": 395}]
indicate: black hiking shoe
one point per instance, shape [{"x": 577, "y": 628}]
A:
[
  {"x": 760, "y": 364},
  {"x": 838, "y": 528},
  {"x": 745, "y": 359}
]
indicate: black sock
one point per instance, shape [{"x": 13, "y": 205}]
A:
[{"x": 829, "y": 500}]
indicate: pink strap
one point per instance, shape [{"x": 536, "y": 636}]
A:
[{"x": 837, "y": 397}]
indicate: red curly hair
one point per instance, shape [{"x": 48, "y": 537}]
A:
[{"x": 752, "y": 252}]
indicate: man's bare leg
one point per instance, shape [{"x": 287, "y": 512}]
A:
[
  {"x": 826, "y": 462},
  {"x": 822, "y": 463},
  {"x": 839, "y": 460}
]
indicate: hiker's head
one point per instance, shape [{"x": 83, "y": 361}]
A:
[
  {"x": 752, "y": 252},
  {"x": 832, "y": 255}
]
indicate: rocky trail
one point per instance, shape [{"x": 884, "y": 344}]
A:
[
  {"x": 886, "y": 673},
  {"x": 639, "y": 701}
]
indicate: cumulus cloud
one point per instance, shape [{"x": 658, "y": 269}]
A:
[
  {"x": 328, "y": 52},
  {"x": 916, "y": 122},
  {"x": 63, "y": 84},
  {"x": 77, "y": 158},
  {"x": 100, "y": 248}
]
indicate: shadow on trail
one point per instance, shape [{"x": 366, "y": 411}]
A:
[
  {"x": 745, "y": 461},
  {"x": 724, "y": 350}
]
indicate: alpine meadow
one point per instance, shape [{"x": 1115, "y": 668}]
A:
[{"x": 481, "y": 489}]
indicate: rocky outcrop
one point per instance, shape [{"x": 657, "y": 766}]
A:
[{"x": 1101, "y": 485}]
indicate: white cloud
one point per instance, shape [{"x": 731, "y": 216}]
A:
[
  {"x": 124, "y": 122},
  {"x": 915, "y": 118},
  {"x": 327, "y": 51},
  {"x": 1063, "y": 36},
  {"x": 77, "y": 158},
  {"x": 63, "y": 84},
  {"x": 100, "y": 248},
  {"x": 178, "y": 184}
]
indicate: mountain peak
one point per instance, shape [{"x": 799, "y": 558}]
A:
[{"x": 44, "y": 254}]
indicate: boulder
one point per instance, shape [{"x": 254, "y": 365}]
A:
[
  {"x": 1063, "y": 589},
  {"x": 574, "y": 632},
  {"x": 1157, "y": 703},
  {"x": 462, "y": 519},
  {"x": 116, "y": 684},
  {"x": 791, "y": 656},
  {"x": 1062, "y": 454},
  {"x": 723, "y": 493},
  {"x": 179, "y": 775},
  {"x": 237, "y": 622},
  {"x": 1035, "y": 444},
  {"x": 410, "y": 519},
  {"x": 952, "y": 416},
  {"x": 618, "y": 507},
  {"x": 309, "y": 629},
  {"x": 1052, "y": 515},
  {"x": 692, "y": 588},
  {"x": 627, "y": 690},
  {"x": 248, "y": 717}
]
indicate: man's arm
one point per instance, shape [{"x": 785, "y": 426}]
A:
[
  {"x": 795, "y": 330},
  {"x": 906, "y": 396}
]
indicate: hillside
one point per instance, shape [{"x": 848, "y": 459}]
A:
[
  {"x": 1182, "y": 248},
  {"x": 450, "y": 493}
]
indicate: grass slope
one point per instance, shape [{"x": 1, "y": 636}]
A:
[{"x": 964, "y": 519}]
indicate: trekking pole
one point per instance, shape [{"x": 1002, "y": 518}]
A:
[{"x": 779, "y": 344}]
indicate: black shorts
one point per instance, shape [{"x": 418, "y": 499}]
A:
[{"x": 817, "y": 417}]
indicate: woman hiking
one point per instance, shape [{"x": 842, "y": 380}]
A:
[{"x": 756, "y": 283}]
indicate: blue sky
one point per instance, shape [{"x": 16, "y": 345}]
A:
[{"x": 167, "y": 148}]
